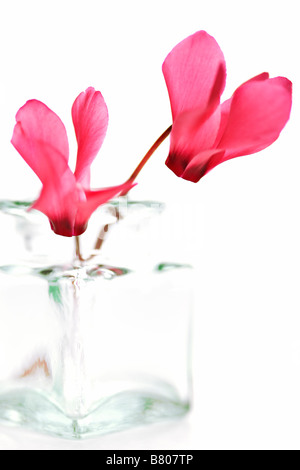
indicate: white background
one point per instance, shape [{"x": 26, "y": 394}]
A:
[{"x": 247, "y": 235}]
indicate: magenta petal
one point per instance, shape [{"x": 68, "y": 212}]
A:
[
  {"x": 195, "y": 73},
  {"x": 94, "y": 199},
  {"x": 59, "y": 202},
  {"x": 90, "y": 119},
  {"x": 190, "y": 136},
  {"x": 40, "y": 138},
  {"x": 201, "y": 164},
  {"x": 226, "y": 105},
  {"x": 259, "y": 110}
]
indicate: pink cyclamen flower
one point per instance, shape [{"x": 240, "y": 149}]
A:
[
  {"x": 41, "y": 139},
  {"x": 206, "y": 133}
]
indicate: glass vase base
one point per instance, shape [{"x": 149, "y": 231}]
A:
[
  {"x": 98, "y": 344},
  {"x": 34, "y": 411}
]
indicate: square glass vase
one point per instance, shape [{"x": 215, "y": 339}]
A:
[{"x": 93, "y": 340}]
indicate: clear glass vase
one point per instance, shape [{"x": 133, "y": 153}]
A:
[{"x": 92, "y": 341}]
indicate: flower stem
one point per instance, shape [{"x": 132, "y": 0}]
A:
[
  {"x": 103, "y": 231},
  {"x": 78, "y": 249},
  {"x": 133, "y": 176},
  {"x": 70, "y": 376},
  {"x": 150, "y": 152}
]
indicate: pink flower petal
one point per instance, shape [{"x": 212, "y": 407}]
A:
[
  {"x": 40, "y": 138},
  {"x": 59, "y": 202},
  {"x": 201, "y": 164},
  {"x": 226, "y": 105},
  {"x": 195, "y": 73},
  {"x": 259, "y": 110},
  {"x": 94, "y": 199},
  {"x": 190, "y": 136},
  {"x": 90, "y": 119}
]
